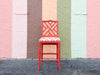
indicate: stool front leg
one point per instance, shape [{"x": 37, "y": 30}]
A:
[
  {"x": 57, "y": 51},
  {"x": 39, "y": 57},
  {"x": 59, "y": 56},
  {"x": 42, "y": 51}
]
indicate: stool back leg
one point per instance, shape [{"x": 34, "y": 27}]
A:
[
  {"x": 39, "y": 58},
  {"x": 42, "y": 52},
  {"x": 57, "y": 51},
  {"x": 59, "y": 56}
]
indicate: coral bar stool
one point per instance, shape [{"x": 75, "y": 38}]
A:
[{"x": 49, "y": 36}]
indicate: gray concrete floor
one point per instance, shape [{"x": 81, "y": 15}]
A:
[{"x": 68, "y": 67}]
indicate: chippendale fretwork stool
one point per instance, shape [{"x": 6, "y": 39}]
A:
[{"x": 49, "y": 36}]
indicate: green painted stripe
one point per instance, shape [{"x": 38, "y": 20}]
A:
[
  {"x": 78, "y": 28},
  {"x": 64, "y": 18}
]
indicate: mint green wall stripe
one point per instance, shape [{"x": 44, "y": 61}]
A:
[
  {"x": 64, "y": 18},
  {"x": 78, "y": 28}
]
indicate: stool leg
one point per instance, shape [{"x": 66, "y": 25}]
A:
[
  {"x": 39, "y": 58},
  {"x": 42, "y": 51},
  {"x": 59, "y": 56},
  {"x": 57, "y": 51}
]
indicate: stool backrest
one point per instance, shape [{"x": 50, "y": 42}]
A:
[{"x": 50, "y": 28}]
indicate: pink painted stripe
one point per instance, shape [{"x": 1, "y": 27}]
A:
[
  {"x": 93, "y": 28},
  {"x": 19, "y": 29},
  {"x": 5, "y": 28}
]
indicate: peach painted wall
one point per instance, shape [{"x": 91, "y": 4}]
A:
[
  {"x": 49, "y": 12},
  {"x": 5, "y": 28},
  {"x": 49, "y": 9},
  {"x": 93, "y": 28}
]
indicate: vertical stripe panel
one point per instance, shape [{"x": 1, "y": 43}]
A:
[
  {"x": 49, "y": 12},
  {"x": 78, "y": 28},
  {"x": 49, "y": 9},
  {"x": 93, "y": 28},
  {"x": 5, "y": 28},
  {"x": 19, "y": 28},
  {"x": 34, "y": 27},
  {"x": 64, "y": 18}
]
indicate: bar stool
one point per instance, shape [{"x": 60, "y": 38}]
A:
[{"x": 49, "y": 37}]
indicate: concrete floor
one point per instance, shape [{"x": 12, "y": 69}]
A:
[{"x": 68, "y": 67}]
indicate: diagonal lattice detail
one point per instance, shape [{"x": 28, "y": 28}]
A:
[{"x": 50, "y": 29}]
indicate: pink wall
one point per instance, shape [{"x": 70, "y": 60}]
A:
[
  {"x": 19, "y": 29},
  {"x": 5, "y": 28},
  {"x": 93, "y": 28}
]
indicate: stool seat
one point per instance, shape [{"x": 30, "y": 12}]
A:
[{"x": 49, "y": 39}]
